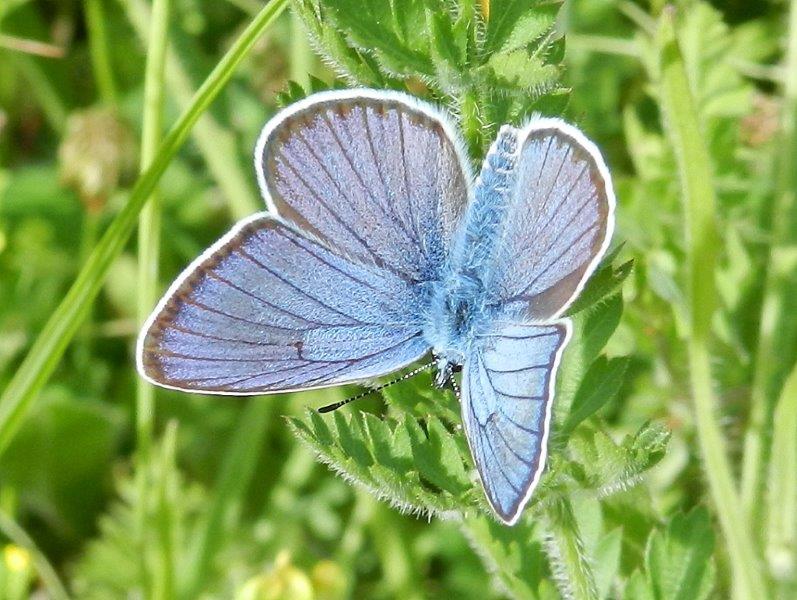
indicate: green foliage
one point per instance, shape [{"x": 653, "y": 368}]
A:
[
  {"x": 678, "y": 561},
  {"x": 489, "y": 70},
  {"x": 693, "y": 101}
]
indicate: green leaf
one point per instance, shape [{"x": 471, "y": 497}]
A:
[
  {"x": 598, "y": 463},
  {"x": 637, "y": 587},
  {"x": 592, "y": 328},
  {"x": 395, "y": 32},
  {"x": 395, "y": 458},
  {"x": 679, "y": 560},
  {"x": 605, "y": 281},
  {"x": 517, "y": 23},
  {"x": 600, "y": 385},
  {"x": 518, "y": 72},
  {"x": 606, "y": 561},
  {"x": 512, "y": 554}
]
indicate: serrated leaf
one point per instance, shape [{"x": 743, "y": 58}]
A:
[
  {"x": 351, "y": 437},
  {"x": 516, "y": 23},
  {"x": 679, "y": 560},
  {"x": 517, "y": 71},
  {"x": 600, "y": 385},
  {"x": 334, "y": 48},
  {"x": 395, "y": 32},
  {"x": 449, "y": 45},
  {"x": 443, "y": 444},
  {"x": 600, "y": 464},
  {"x": 427, "y": 455}
]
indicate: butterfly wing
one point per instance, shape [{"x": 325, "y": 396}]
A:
[
  {"x": 368, "y": 188},
  {"x": 376, "y": 176},
  {"x": 267, "y": 309},
  {"x": 507, "y": 393},
  {"x": 558, "y": 222}
]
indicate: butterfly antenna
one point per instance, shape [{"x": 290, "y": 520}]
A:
[
  {"x": 455, "y": 386},
  {"x": 413, "y": 373}
]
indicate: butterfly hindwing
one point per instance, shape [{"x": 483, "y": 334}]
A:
[
  {"x": 377, "y": 176},
  {"x": 267, "y": 310},
  {"x": 557, "y": 223},
  {"x": 507, "y": 393}
]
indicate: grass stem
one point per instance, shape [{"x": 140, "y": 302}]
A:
[
  {"x": 683, "y": 128},
  {"x": 98, "y": 46},
  {"x": 47, "y": 350},
  {"x": 217, "y": 144},
  {"x": 149, "y": 230}
]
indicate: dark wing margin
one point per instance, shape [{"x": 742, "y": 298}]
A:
[
  {"x": 559, "y": 222},
  {"x": 507, "y": 395},
  {"x": 377, "y": 176},
  {"x": 267, "y": 310}
]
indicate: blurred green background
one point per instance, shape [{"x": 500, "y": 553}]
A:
[{"x": 246, "y": 510}]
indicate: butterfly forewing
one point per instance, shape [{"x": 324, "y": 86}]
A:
[
  {"x": 267, "y": 310},
  {"x": 558, "y": 222},
  {"x": 379, "y": 179},
  {"x": 507, "y": 390}
]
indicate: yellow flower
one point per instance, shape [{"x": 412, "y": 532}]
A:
[{"x": 17, "y": 559}]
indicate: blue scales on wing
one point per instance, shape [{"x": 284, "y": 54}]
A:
[
  {"x": 270, "y": 310},
  {"x": 557, "y": 221},
  {"x": 507, "y": 390},
  {"x": 379, "y": 180},
  {"x": 367, "y": 193}
]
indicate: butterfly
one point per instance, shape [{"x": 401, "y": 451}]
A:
[{"x": 379, "y": 246}]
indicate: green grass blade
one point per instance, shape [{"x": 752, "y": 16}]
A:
[
  {"x": 49, "y": 346},
  {"x": 98, "y": 45},
  {"x": 149, "y": 231},
  {"x": 150, "y": 218},
  {"x": 683, "y": 129}
]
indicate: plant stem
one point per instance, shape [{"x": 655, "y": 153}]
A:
[
  {"x": 567, "y": 555},
  {"x": 98, "y": 45},
  {"x": 149, "y": 226},
  {"x": 781, "y": 550},
  {"x": 682, "y": 126},
  {"x": 218, "y": 145},
  {"x": 301, "y": 55},
  {"x": 777, "y": 328},
  {"x": 149, "y": 222},
  {"x": 14, "y": 532},
  {"x": 236, "y": 473},
  {"x": 163, "y": 580},
  {"x": 471, "y": 124},
  {"x": 49, "y": 346}
]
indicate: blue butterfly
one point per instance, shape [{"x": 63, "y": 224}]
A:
[{"x": 379, "y": 246}]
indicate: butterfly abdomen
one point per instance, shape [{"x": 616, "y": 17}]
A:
[{"x": 491, "y": 197}]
